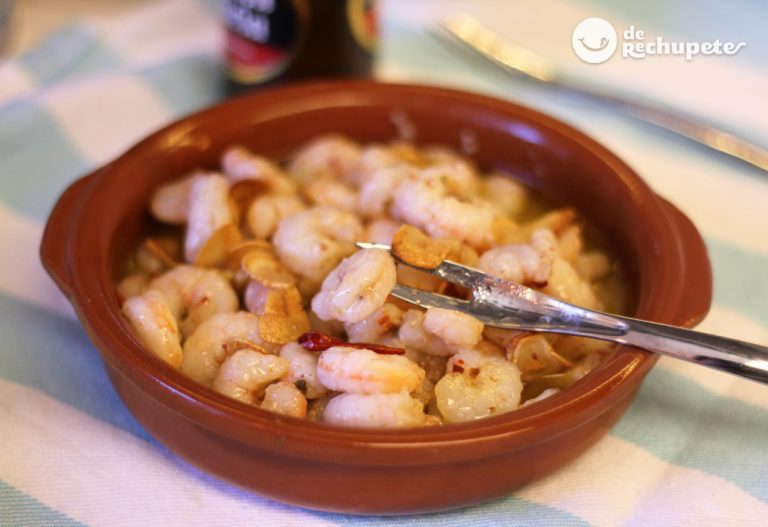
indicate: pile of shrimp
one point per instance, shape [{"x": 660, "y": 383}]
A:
[{"x": 257, "y": 258}]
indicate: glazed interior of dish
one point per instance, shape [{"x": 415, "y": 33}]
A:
[{"x": 250, "y": 284}]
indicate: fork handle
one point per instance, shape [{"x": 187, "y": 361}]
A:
[
  {"x": 725, "y": 354},
  {"x": 721, "y": 353},
  {"x": 542, "y": 313}
]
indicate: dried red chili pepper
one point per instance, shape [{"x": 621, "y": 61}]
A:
[{"x": 318, "y": 341}]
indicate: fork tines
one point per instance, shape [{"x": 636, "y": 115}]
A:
[{"x": 449, "y": 271}]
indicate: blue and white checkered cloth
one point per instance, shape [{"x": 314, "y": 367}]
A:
[{"x": 690, "y": 450}]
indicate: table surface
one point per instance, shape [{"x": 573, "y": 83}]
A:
[
  {"x": 85, "y": 79},
  {"x": 33, "y": 20}
]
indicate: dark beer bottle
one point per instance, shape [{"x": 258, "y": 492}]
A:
[{"x": 274, "y": 41}]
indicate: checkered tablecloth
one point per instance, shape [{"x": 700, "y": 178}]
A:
[{"x": 693, "y": 447}]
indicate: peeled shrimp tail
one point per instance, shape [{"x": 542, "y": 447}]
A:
[{"x": 152, "y": 319}]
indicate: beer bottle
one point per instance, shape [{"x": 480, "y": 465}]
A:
[{"x": 275, "y": 41}]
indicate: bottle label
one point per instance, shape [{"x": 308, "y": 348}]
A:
[
  {"x": 262, "y": 37},
  {"x": 363, "y": 22}
]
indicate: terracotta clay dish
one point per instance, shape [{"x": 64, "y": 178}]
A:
[{"x": 100, "y": 218}]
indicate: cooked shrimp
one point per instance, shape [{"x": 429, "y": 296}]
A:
[
  {"x": 329, "y": 192},
  {"x": 374, "y": 158},
  {"x": 312, "y": 242},
  {"x": 215, "y": 339},
  {"x": 195, "y": 294},
  {"x": 329, "y": 156},
  {"x": 425, "y": 202},
  {"x": 381, "y": 410},
  {"x": 170, "y": 202},
  {"x": 209, "y": 209},
  {"x": 357, "y": 287},
  {"x": 245, "y": 374},
  {"x": 378, "y": 189},
  {"x": 240, "y": 164},
  {"x": 282, "y": 238},
  {"x": 507, "y": 195},
  {"x": 456, "y": 329},
  {"x": 303, "y": 370},
  {"x": 529, "y": 263},
  {"x": 519, "y": 263},
  {"x": 439, "y": 332},
  {"x": 152, "y": 319},
  {"x": 362, "y": 371},
  {"x": 477, "y": 385},
  {"x": 566, "y": 284},
  {"x": 413, "y": 336},
  {"x": 265, "y": 213},
  {"x": 132, "y": 285},
  {"x": 457, "y": 173},
  {"x": 375, "y": 326},
  {"x": 284, "y": 398}
]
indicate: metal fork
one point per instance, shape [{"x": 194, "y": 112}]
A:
[
  {"x": 522, "y": 61},
  {"x": 508, "y": 305}
]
